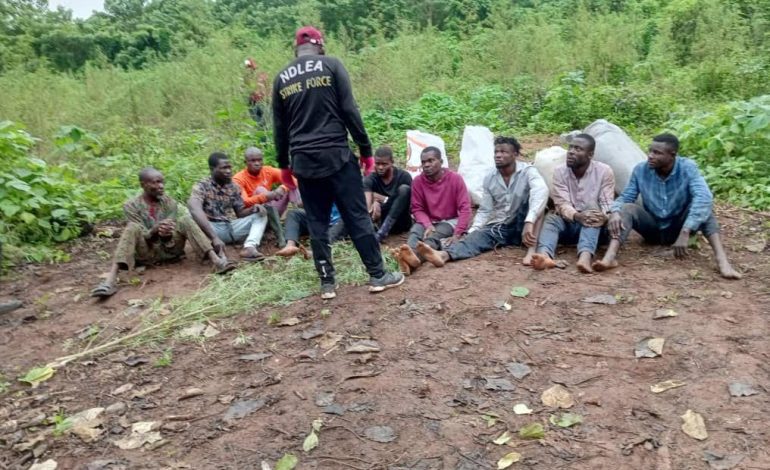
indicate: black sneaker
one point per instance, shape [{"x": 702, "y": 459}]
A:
[
  {"x": 388, "y": 280},
  {"x": 328, "y": 291}
]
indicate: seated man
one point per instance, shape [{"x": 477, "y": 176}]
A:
[
  {"x": 296, "y": 227},
  {"x": 676, "y": 202},
  {"x": 583, "y": 191},
  {"x": 261, "y": 184},
  {"x": 388, "y": 191},
  {"x": 156, "y": 231},
  {"x": 514, "y": 198},
  {"x": 217, "y": 207},
  {"x": 441, "y": 207}
]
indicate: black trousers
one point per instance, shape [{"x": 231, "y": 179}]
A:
[
  {"x": 344, "y": 188},
  {"x": 398, "y": 208}
]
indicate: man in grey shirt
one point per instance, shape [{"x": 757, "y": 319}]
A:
[{"x": 515, "y": 196}]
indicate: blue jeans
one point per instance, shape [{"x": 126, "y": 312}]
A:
[
  {"x": 487, "y": 238},
  {"x": 248, "y": 230},
  {"x": 636, "y": 218},
  {"x": 558, "y": 230}
]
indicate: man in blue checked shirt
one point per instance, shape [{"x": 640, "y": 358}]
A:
[{"x": 677, "y": 202}]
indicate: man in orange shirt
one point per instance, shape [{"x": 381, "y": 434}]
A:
[{"x": 261, "y": 185}]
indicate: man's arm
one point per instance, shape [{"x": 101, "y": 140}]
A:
[
  {"x": 419, "y": 206},
  {"x": 485, "y": 208},
  {"x": 195, "y": 204},
  {"x": 607, "y": 190},
  {"x": 464, "y": 211},
  {"x": 701, "y": 199},
  {"x": 631, "y": 191},
  {"x": 240, "y": 208},
  {"x": 350, "y": 112},
  {"x": 538, "y": 194},
  {"x": 280, "y": 129},
  {"x": 560, "y": 196},
  {"x": 249, "y": 199}
]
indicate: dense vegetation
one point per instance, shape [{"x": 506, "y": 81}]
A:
[{"x": 161, "y": 82}]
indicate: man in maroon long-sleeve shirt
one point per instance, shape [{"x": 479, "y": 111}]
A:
[{"x": 441, "y": 207}]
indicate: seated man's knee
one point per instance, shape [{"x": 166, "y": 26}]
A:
[
  {"x": 710, "y": 226},
  {"x": 404, "y": 190},
  {"x": 133, "y": 229}
]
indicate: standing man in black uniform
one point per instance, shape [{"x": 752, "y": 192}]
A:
[{"x": 313, "y": 110}]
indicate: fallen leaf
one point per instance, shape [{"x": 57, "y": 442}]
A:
[
  {"x": 520, "y": 291},
  {"x": 469, "y": 339},
  {"x": 287, "y": 462},
  {"x": 324, "y": 398},
  {"x": 508, "y": 460},
  {"x": 266, "y": 466},
  {"x": 37, "y": 375},
  {"x": 142, "y": 433},
  {"x": 566, "y": 420},
  {"x": 726, "y": 294},
  {"x": 311, "y": 442},
  {"x": 522, "y": 409},
  {"x": 144, "y": 391},
  {"x": 738, "y": 389},
  {"x": 191, "y": 393},
  {"x": 499, "y": 385},
  {"x": 317, "y": 424},
  {"x": 603, "y": 299},
  {"x": 255, "y": 357},
  {"x": 757, "y": 247},
  {"x": 694, "y": 426},
  {"x": 503, "y": 439},
  {"x": 329, "y": 340},
  {"x": 365, "y": 346},
  {"x": 664, "y": 313},
  {"x": 722, "y": 461},
  {"x": 86, "y": 424},
  {"x": 243, "y": 408},
  {"x": 381, "y": 434},
  {"x": 311, "y": 333},
  {"x": 192, "y": 331},
  {"x": 518, "y": 370},
  {"x": 291, "y": 321},
  {"x": 49, "y": 464},
  {"x": 123, "y": 389},
  {"x": 491, "y": 420},
  {"x": 557, "y": 397},
  {"x": 133, "y": 361},
  {"x": 507, "y": 307},
  {"x": 649, "y": 347},
  {"x": 532, "y": 431},
  {"x": 661, "y": 387},
  {"x": 210, "y": 332},
  {"x": 137, "y": 303}
]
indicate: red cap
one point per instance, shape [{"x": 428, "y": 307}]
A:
[{"x": 308, "y": 34}]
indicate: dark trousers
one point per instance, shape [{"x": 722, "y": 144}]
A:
[
  {"x": 398, "y": 208},
  {"x": 636, "y": 218},
  {"x": 296, "y": 227},
  {"x": 344, "y": 188},
  {"x": 488, "y": 238}
]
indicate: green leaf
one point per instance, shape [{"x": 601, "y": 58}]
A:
[
  {"x": 37, "y": 375},
  {"x": 503, "y": 439},
  {"x": 317, "y": 424},
  {"x": 532, "y": 431},
  {"x": 287, "y": 462},
  {"x": 508, "y": 460},
  {"x": 519, "y": 291},
  {"x": 566, "y": 420},
  {"x": 9, "y": 208},
  {"x": 311, "y": 442},
  {"x": 27, "y": 217}
]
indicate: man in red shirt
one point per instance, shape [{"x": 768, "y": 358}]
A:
[
  {"x": 261, "y": 185},
  {"x": 441, "y": 207}
]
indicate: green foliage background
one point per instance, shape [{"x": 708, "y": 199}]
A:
[{"x": 161, "y": 83}]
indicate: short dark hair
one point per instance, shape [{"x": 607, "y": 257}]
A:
[
  {"x": 668, "y": 139},
  {"x": 384, "y": 152},
  {"x": 432, "y": 149},
  {"x": 589, "y": 138},
  {"x": 500, "y": 140},
  {"x": 145, "y": 173},
  {"x": 215, "y": 158}
]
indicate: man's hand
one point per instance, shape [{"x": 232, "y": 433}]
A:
[
  {"x": 680, "y": 245},
  {"x": 287, "y": 178},
  {"x": 165, "y": 228},
  {"x": 528, "y": 235},
  {"x": 367, "y": 164},
  {"x": 580, "y": 217},
  {"x": 591, "y": 218},
  {"x": 449, "y": 241},
  {"x": 376, "y": 211},
  {"x": 428, "y": 231},
  {"x": 218, "y": 245},
  {"x": 259, "y": 209},
  {"x": 615, "y": 225}
]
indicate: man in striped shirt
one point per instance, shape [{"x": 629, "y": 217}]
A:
[{"x": 676, "y": 203}]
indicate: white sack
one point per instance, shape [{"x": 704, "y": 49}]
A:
[
  {"x": 616, "y": 149},
  {"x": 546, "y": 162},
  {"x": 416, "y": 141},
  {"x": 477, "y": 158}
]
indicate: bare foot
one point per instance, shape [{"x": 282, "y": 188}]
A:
[
  {"x": 403, "y": 266},
  {"x": 727, "y": 271},
  {"x": 527, "y": 260},
  {"x": 432, "y": 256},
  {"x": 540, "y": 262},
  {"x": 584, "y": 263},
  {"x": 288, "y": 251},
  {"x": 409, "y": 257},
  {"x": 307, "y": 254},
  {"x": 601, "y": 266}
]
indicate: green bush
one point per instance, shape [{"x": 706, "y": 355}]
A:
[{"x": 732, "y": 146}]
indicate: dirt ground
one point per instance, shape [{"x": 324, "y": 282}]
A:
[{"x": 441, "y": 381}]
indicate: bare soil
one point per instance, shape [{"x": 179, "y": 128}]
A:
[{"x": 443, "y": 338}]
